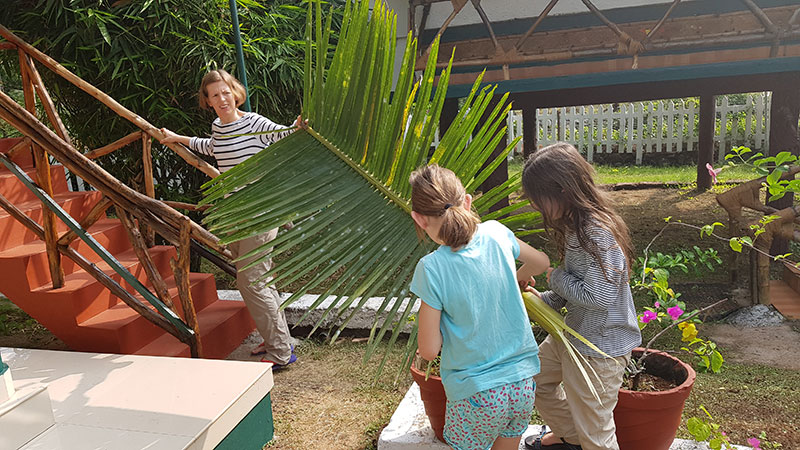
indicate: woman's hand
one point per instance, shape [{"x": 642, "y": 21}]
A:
[
  {"x": 299, "y": 122},
  {"x": 170, "y": 137}
]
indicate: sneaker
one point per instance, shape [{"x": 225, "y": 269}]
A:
[{"x": 276, "y": 366}]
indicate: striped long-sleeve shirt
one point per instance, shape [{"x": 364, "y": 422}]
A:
[
  {"x": 230, "y": 151},
  {"x": 599, "y": 307}
]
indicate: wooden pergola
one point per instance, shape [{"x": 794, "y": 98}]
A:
[{"x": 554, "y": 53}]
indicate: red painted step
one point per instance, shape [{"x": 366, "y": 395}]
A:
[{"x": 83, "y": 313}]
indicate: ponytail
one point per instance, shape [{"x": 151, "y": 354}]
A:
[
  {"x": 458, "y": 226},
  {"x": 437, "y": 192}
]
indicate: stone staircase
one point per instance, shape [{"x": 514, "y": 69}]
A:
[{"x": 82, "y": 313}]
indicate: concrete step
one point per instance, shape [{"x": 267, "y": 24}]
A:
[
  {"x": 16, "y": 192},
  {"x": 223, "y": 326},
  {"x": 13, "y": 233},
  {"x": 23, "y": 159}
]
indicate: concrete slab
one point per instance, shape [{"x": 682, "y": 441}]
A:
[
  {"x": 135, "y": 402},
  {"x": 363, "y": 320},
  {"x": 409, "y": 429}
]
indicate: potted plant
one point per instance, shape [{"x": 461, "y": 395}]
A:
[
  {"x": 431, "y": 390},
  {"x": 648, "y": 414}
]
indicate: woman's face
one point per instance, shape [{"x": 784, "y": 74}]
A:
[{"x": 221, "y": 98}]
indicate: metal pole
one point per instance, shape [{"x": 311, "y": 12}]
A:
[{"x": 237, "y": 39}]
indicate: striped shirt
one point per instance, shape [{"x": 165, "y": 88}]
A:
[
  {"x": 230, "y": 151},
  {"x": 600, "y": 310}
]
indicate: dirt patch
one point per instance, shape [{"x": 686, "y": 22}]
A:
[{"x": 774, "y": 346}]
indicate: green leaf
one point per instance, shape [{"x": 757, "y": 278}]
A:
[{"x": 736, "y": 244}]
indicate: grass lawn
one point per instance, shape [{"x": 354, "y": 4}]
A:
[{"x": 635, "y": 174}]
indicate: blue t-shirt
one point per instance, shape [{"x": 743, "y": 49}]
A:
[{"x": 486, "y": 336}]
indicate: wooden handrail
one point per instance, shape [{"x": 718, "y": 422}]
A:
[
  {"x": 107, "y": 100},
  {"x": 43, "y": 178},
  {"x": 186, "y": 206},
  {"x": 163, "y": 218},
  {"x": 116, "y": 145}
]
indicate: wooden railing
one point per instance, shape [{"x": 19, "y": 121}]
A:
[{"x": 141, "y": 215}]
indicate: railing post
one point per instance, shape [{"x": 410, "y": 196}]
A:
[
  {"x": 149, "y": 186},
  {"x": 180, "y": 268},
  {"x": 42, "y": 162}
]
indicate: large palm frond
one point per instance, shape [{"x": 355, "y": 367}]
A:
[{"x": 344, "y": 179}]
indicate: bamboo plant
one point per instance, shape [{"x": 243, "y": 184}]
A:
[{"x": 343, "y": 177}]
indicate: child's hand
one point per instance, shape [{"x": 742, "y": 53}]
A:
[{"x": 524, "y": 285}]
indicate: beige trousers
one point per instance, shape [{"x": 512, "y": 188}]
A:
[
  {"x": 262, "y": 300},
  {"x": 567, "y": 405}
]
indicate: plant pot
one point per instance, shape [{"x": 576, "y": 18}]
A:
[
  {"x": 433, "y": 397},
  {"x": 651, "y": 419}
]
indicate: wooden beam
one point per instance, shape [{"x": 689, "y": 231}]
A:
[
  {"x": 104, "y": 98},
  {"x": 97, "y": 212},
  {"x": 42, "y": 162},
  {"x": 180, "y": 268},
  {"x": 47, "y": 102},
  {"x": 140, "y": 248},
  {"x": 149, "y": 184},
  {"x": 705, "y": 153},
  {"x": 116, "y": 145},
  {"x": 186, "y": 206}
]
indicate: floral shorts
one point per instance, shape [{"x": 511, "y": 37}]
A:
[{"x": 475, "y": 422}]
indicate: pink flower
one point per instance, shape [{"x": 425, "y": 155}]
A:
[
  {"x": 647, "y": 316},
  {"x": 657, "y": 305},
  {"x": 713, "y": 172},
  {"x": 675, "y": 312},
  {"x": 755, "y": 443}
]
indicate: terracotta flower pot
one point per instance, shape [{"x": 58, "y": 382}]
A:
[
  {"x": 650, "y": 420},
  {"x": 434, "y": 399}
]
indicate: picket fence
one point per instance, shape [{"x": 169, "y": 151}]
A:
[{"x": 649, "y": 127}]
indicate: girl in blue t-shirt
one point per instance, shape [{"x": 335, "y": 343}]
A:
[{"x": 472, "y": 311}]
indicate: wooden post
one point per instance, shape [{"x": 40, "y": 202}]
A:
[
  {"x": 149, "y": 187},
  {"x": 784, "y": 137},
  {"x": 140, "y": 247},
  {"x": 181, "y": 270},
  {"x": 529, "y": 135},
  {"x": 119, "y": 143},
  {"x": 705, "y": 152},
  {"x": 41, "y": 159}
]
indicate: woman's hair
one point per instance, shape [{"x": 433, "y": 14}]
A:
[
  {"x": 557, "y": 176},
  {"x": 436, "y": 191},
  {"x": 237, "y": 88}
]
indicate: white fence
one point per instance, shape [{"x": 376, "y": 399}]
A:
[{"x": 665, "y": 126}]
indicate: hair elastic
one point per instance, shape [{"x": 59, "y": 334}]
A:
[{"x": 447, "y": 206}]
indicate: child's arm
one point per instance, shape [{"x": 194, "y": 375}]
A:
[
  {"x": 429, "y": 339},
  {"x": 534, "y": 262}
]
